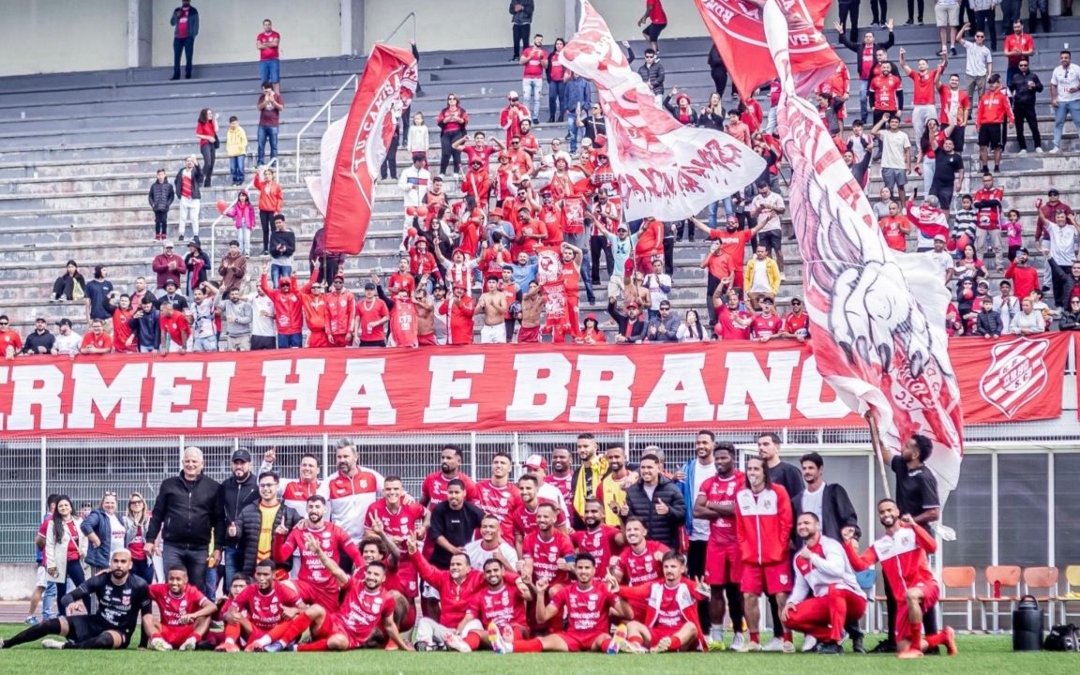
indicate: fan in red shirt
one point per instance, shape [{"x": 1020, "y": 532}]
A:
[
  {"x": 97, "y": 341},
  {"x": 587, "y": 605},
  {"x": 796, "y": 322},
  {"x": 512, "y": 115},
  {"x": 895, "y": 227},
  {"x": 314, "y": 304},
  {"x": 715, "y": 502},
  {"x": 175, "y": 330},
  {"x": 552, "y": 217},
  {"x": 768, "y": 324},
  {"x": 288, "y": 310},
  {"x": 422, "y": 262},
  {"x": 184, "y": 613},
  {"x": 639, "y": 562},
  {"x": 123, "y": 338},
  {"x": 752, "y": 114},
  {"x": 531, "y": 231},
  {"x": 598, "y": 539},
  {"x": 902, "y": 552},
  {"x": 763, "y": 519},
  {"x": 500, "y": 608},
  {"x": 402, "y": 278},
  {"x": 477, "y": 182},
  {"x": 314, "y": 582},
  {"x": 650, "y": 243},
  {"x": 456, "y": 588},
  {"x": 883, "y": 90},
  {"x": 340, "y": 312},
  {"x": 403, "y": 319},
  {"x": 372, "y": 315},
  {"x": 671, "y": 621},
  {"x": 460, "y": 309},
  {"x": 258, "y": 609}
]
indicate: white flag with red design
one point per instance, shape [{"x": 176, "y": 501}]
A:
[
  {"x": 878, "y": 329},
  {"x": 665, "y": 169}
]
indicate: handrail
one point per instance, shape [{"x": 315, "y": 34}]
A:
[
  {"x": 353, "y": 79},
  {"x": 213, "y": 227}
]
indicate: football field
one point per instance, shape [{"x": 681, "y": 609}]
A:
[{"x": 979, "y": 655}]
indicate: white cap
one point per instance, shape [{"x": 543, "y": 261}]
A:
[{"x": 512, "y": 94}]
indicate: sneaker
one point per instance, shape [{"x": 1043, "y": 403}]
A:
[
  {"x": 535, "y": 121},
  {"x": 749, "y": 646},
  {"x": 773, "y": 645},
  {"x": 997, "y": 168},
  {"x": 952, "y": 50},
  {"x": 857, "y": 645},
  {"x": 809, "y": 643},
  {"x": 423, "y": 647},
  {"x": 457, "y": 643},
  {"x": 495, "y": 639},
  {"x": 274, "y": 647},
  {"x": 618, "y": 640},
  {"x": 662, "y": 646},
  {"x": 158, "y": 645},
  {"x": 830, "y": 649},
  {"x": 33, "y": 620},
  {"x": 737, "y": 642},
  {"x": 910, "y": 654},
  {"x": 634, "y": 648},
  {"x": 228, "y": 648},
  {"x": 884, "y": 647},
  {"x": 258, "y": 645},
  {"x": 716, "y": 646},
  {"x": 950, "y": 641},
  {"x": 1022, "y": 152},
  {"x": 1054, "y": 150},
  {"x": 189, "y": 644},
  {"x": 788, "y": 647},
  {"x": 49, "y": 643},
  {"x": 1039, "y": 150}
]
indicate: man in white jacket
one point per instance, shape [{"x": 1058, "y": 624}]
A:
[{"x": 826, "y": 594}]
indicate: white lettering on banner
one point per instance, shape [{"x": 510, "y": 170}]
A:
[
  {"x": 363, "y": 387},
  {"x": 592, "y": 386},
  {"x": 747, "y": 382},
  {"x": 304, "y": 391},
  {"x": 168, "y": 394},
  {"x": 26, "y": 395},
  {"x": 217, "y": 414},
  {"x": 445, "y": 388},
  {"x": 811, "y": 387},
  {"x": 543, "y": 377},
  {"x": 89, "y": 391},
  {"x": 681, "y": 383}
]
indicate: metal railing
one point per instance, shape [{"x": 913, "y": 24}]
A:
[{"x": 273, "y": 164}]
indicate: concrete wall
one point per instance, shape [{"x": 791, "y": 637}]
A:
[
  {"x": 49, "y": 36},
  {"x": 227, "y": 30},
  {"x": 456, "y": 24},
  {"x": 17, "y": 581}
]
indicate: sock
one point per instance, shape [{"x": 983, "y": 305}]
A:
[
  {"x": 605, "y": 645},
  {"x": 717, "y": 634},
  {"x": 232, "y": 632},
  {"x": 313, "y": 646},
  {"x": 473, "y": 640},
  {"x": 528, "y": 646},
  {"x": 916, "y": 637},
  {"x": 292, "y": 630},
  {"x": 755, "y": 637},
  {"x": 675, "y": 644},
  {"x": 787, "y": 636},
  {"x": 635, "y": 640},
  {"x": 935, "y": 640},
  {"x": 103, "y": 641},
  {"x": 154, "y": 636},
  {"x": 34, "y": 633}
]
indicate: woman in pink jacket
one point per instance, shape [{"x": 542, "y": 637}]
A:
[{"x": 243, "y": 214}]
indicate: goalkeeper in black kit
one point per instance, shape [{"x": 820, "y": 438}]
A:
[{"x": 122, "y": 600}]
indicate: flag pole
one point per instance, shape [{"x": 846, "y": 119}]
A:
[{"x": 879, "y": 450}]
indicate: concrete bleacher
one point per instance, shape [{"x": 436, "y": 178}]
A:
[{"x": 78, "y": 152}]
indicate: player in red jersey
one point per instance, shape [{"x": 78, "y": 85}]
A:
[
  {"x": 902, "y": 552},
  {"x": 314, "y": 582},
  {"x": 639, "y": 562},
  {"x": 524, "y": 516},
  {"x": 498, "y": 496},
  {"x": 365, "y": 618},
  {"x": 715, "y": 502},
  {"x": 394, "y": 520},
  {"x": 671, "y": 621},
  {"x": 456, "y": 588},
  {"x": 377, "y": 548},
  {"x": 562, "y": 474},
  {"x": 258, "y": 609},
  {"x": 213, "y": 639},
  {"x": 547, "y": 553},
  {"x": 185, "y": 613},
  {"x": 768, "y": 324},
  {"x": 587, "y": 605},
  {"x": 433, "y": 492},
  {"x": 599, "y": 540},
  {"x": 763, "y": 526},
  {"x": 500, "y": 607}
]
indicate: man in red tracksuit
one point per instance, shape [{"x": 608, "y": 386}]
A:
[
  {"x": 763, "y": 520},
  {"x": 994, "y": 108},
  {"x": 288, "y": 311},
  {"x": 340, "y": 312},
  {"x": 315, "y": 309},
  {"x": 902, "y": 552}
]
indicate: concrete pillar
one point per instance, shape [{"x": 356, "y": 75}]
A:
[
  {"x": 571, "y": 16},
  {"x": 352, "y": 27},
  {"x": 140, "y": 33}
]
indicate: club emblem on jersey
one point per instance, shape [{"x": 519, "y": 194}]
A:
[
  {"x": 551, "y": 556},
  {"x": 404, "y": 520},
  {"x": 125, "y": 601},
  {"x": 1017, "y": 374},
  {"x": 363, "y": 483},
  {"x": 783, "y": 579},
  {"x": 591, "y": 604}
]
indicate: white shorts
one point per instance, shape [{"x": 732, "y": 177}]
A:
[
  {"x": 43, "y": 579},
  {"x": 493, "y": 335}
]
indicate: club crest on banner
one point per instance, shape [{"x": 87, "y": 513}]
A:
[{"x": 1016, "y": 375}]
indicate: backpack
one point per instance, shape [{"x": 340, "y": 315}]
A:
[{"x": 1064, "y": 638}]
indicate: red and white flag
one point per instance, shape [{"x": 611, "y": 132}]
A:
[
  {"x": 878, "y": 329},
  {"x": 665, "y": 169},
  {"x": 736, "y": 29},
  {"x": 354, "y": 148}
]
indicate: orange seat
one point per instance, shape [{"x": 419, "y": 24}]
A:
[
  {"x": 962, "y": 580},
  {"x": 1042, "y": 583},
  {"x": 1007, "y": 580}
]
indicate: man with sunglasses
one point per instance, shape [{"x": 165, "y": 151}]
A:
[
  {"x": 796, "y": 323},
  {"x": 511, "y": 116},
  {"x": 1025, "y": 86},
  {"x": 980, "y": 62},
  {"x": 10, "y": 339}
]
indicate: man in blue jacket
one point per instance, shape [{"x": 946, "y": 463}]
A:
[
  {"x": 185, "y": 23},
  {"x": 690, "y": 477},
  {"x": 576, "y": 97}
]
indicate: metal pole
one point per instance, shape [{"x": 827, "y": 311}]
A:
[
  {"x": 472, "y": 451},
  {"x": 1051, "y": 538},
  {"x": 994, "y": 524},
  {"x": 44, "y": 487},
  {"x": 326, "y": 455}
]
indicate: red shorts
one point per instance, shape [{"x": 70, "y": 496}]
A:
[
  {"x": 340, "y": 341},
  {"x": 658, "y": 633},
  {"x": 528, "y": 335},
  {"x": 580, "y": 642},
  {"x": 333, "y": 625},
  {"x": 903, "y": 626},
  {"x": 256, "y": 633},
  {"x": 317, "y": 339},
  {"x": 177, "y": 635},
  {"x": 723, "y": 564},
  {"x": 427, "y": 340},
  {"x": 408, "y": 580},
  {"x": 770, "y": 579},
  {"x": 327, "y": 598}
]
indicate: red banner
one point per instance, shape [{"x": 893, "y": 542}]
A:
[
  {"x": 725, "y": 386},
  {"x": 388, "y": 81}
]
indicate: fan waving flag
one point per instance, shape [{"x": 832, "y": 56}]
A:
[
  {"x": 736, "y": 29},
  {"x": 878, "y": 329},
  {"x": 664, "y": 169},
  {"x": 361, "y": 142}
]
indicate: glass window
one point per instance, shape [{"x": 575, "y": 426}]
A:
[
  {"x": 1022, "y": 509},
  {"x": 1066, "y": 478},
  {"x": 968, "y": 511}
]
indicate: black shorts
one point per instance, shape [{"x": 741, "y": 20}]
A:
[
  {"x": 653, "y": 30},
  {"x": 990, "y": 135},
  {"x": 263, "y": 342},
  {"x": 86, "y": 626},
  {"x": 770, "y": 240}
]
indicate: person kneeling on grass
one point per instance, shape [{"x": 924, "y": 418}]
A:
[
  {"x": 671, "y": 621},
  {"x": 122, "y": 600},
  {"x": 185, "y": 613}
]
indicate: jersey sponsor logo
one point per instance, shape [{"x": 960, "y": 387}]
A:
[{"x": 1016, "y": 375}]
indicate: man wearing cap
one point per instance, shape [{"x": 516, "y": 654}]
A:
[
  {"x": 40, "y": 341},
  {"x": 511, "y": 116},
  {"x": 167, "y": 265},
  {"x": 633, "y": 328},
  {"x": 288, "y": 311},
  {"x": 68, "y": 341},
  {"x": 340, "y": 312},
  {"x": 372, "y": 316},
  {"x": 314, "y": 305},
  {"x": 665, "y": 326},
  {"x": 796, "y": 322},
  {"x": 477, "y": 182},
  {"x": 173, "y": 297},
  {"x": 766, "y": 325},
  {"x": 234, "y": 493},
  {"x": 943, "y": 260}
]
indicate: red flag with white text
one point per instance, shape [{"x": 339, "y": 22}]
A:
[
  {"x": 665, "y": 169},
  {"x": 735, "y": 27},
  {"x": 386, "y": 85}
]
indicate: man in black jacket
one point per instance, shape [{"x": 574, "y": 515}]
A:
[
  {"x": 658, "y": 502},
  {"x": 866, "y": 63},
  {"x": 268, "y": 514},
  {"x": 453, "y": 524},
  {"x": 1026, "y": 86},
  {"x": 236, "y": 492},
  {"x": 185, "y": 512},
  {"x": 521, "y": 12}
]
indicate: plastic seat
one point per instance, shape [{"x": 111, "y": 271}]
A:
[
  {"x": 961, "y": 580},
  {"x": 1071, "y": 594},
  {"x": 1002, "y": 585},
  {"x": 1042, "y": 583}
]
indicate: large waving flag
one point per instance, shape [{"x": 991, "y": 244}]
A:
[
  {"x": 736, "y": 28},
  {"x": 665, "y": 170},
  {"x": 878, "y": 329},
  {"x": 355, "y": 147}
]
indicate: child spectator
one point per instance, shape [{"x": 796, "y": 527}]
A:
[
  {"x": 243, "y": 214},
  {"x": 1014, "y": 231},
  {"x": 236, "y": 150},
  {"x": 161, "y": 198},
  {"x": 419, "y": 137}
]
